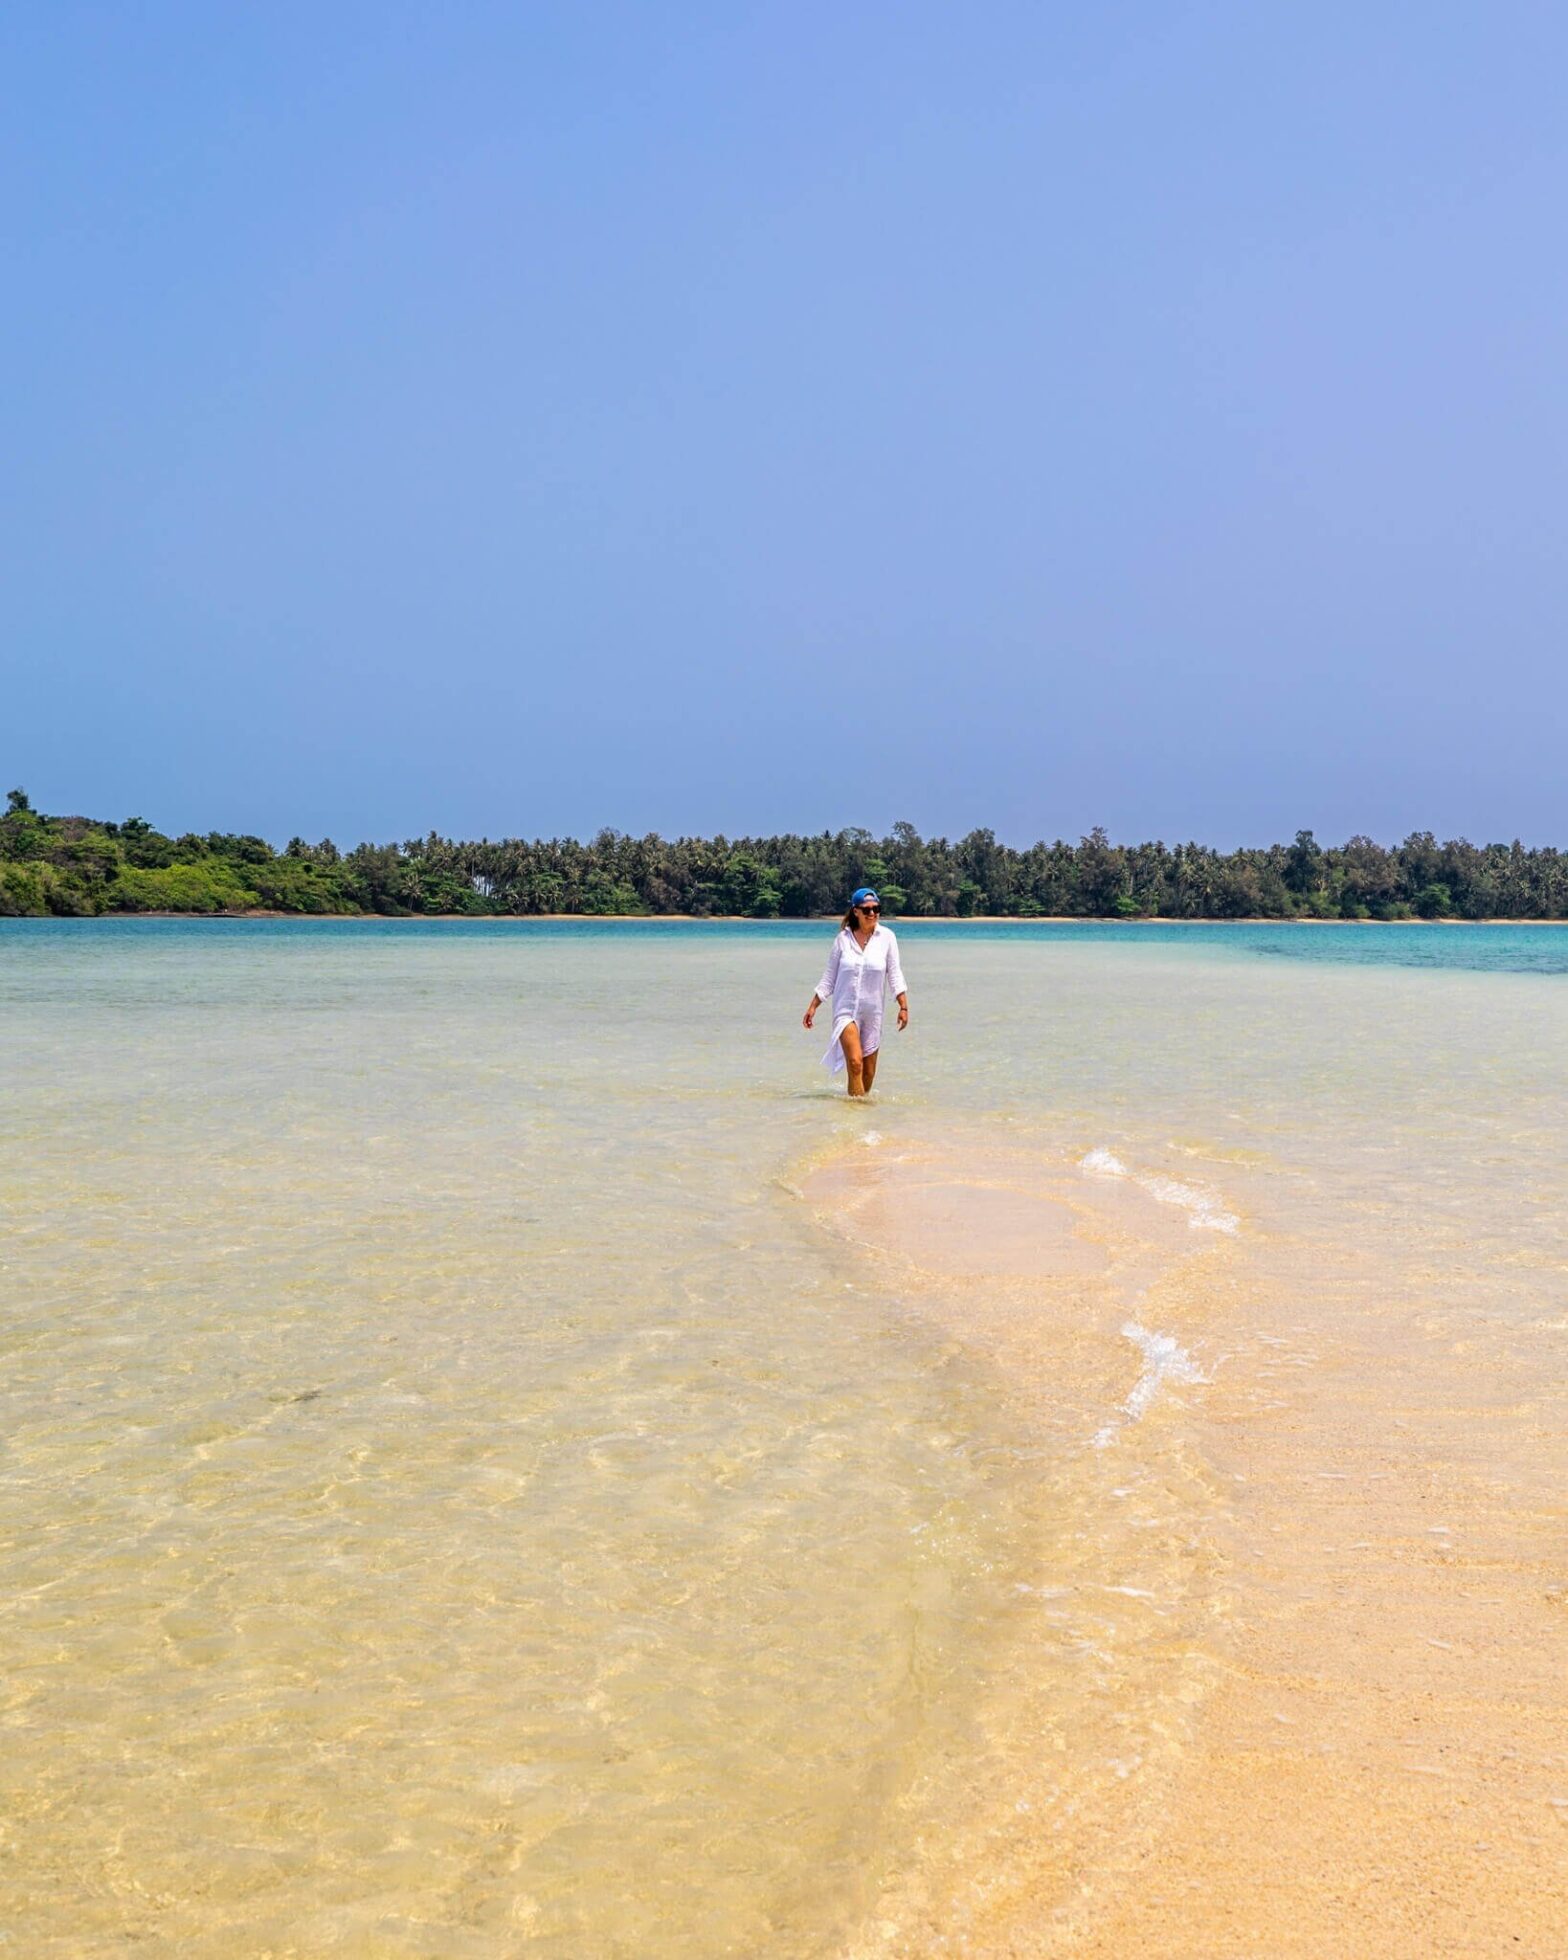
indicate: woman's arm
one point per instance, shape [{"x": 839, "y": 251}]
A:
[
  {"x": 828, "y": 981},
  {"x": 895, "y": 979}
]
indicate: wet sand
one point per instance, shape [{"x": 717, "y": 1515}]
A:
[{"x": 1373, "y": 1752}]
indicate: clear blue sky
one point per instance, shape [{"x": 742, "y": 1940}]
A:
[{"x": 518, "y": 419}]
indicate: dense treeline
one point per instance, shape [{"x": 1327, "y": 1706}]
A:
[{"x": 73, "y": 866}]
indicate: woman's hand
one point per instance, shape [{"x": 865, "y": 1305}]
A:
[
  {"x": 903, "y": 1013},
  {"x": 809, "y": 1016}
]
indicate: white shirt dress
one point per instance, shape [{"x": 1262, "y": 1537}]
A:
[{"x": 856, "y": 980}]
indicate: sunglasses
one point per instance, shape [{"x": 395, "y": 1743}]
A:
[{"x": 868, "y": 908}]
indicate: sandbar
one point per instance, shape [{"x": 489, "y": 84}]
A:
[{"x": 1375, "y": 1760}]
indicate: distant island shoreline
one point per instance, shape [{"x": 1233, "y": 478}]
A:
[
  {"x": 84, "y": 867},
  {"x": 827, "y": 921}
]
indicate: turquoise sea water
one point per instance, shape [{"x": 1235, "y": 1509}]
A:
[
  {"x": 454, "y": 1498},
  {"x": 1462, "y": 948}
]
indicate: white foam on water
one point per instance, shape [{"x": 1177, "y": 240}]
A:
[
  {"x": 871, "y": 1138},
  {"x": 1204, "y": 1211},
  {"x": 1164, "y": 1360}
]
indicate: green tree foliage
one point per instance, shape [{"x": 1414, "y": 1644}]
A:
[
  {"x": 76, "y": 867},
  {"x": 1434, "y": 901},
  {"x": 750, "y": 888}
]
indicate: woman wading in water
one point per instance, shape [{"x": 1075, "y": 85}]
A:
[{"x": 862, "y": 964}]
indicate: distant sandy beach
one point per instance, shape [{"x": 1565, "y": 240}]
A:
[{"x": 826, "y": 922}]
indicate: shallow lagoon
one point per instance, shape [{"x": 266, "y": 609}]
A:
[{"x": 459, "y": 1498}]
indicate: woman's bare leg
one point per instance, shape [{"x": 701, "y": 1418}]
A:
[
  {"x": 849, "y": 1041},
  {"x": 868, "y": 1068}
]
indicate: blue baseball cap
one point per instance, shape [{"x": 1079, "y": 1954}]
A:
[{"x": 860, "y": 897}]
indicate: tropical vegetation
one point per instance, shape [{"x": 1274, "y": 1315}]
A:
[{"x": 81, "y": 867}]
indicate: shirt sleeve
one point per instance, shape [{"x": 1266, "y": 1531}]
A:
[
  {"x": 829, "y": 978},
  {"x": 895, "y": 972}
]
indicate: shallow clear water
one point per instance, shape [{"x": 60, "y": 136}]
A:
[
  {"x": 1461, "y": 947},
  {"x": 455, "y": 1497}
]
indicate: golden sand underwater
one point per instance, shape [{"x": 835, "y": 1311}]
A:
[
  {"x": 469, "y": 1490},
  {"x": 1356, "y": 1707}
]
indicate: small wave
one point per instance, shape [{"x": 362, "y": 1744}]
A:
[
  {"x": 871, "y": 1139},
  {"x": 1164, "y": 1360},
  {"x": 1204, "y": 1211}
]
